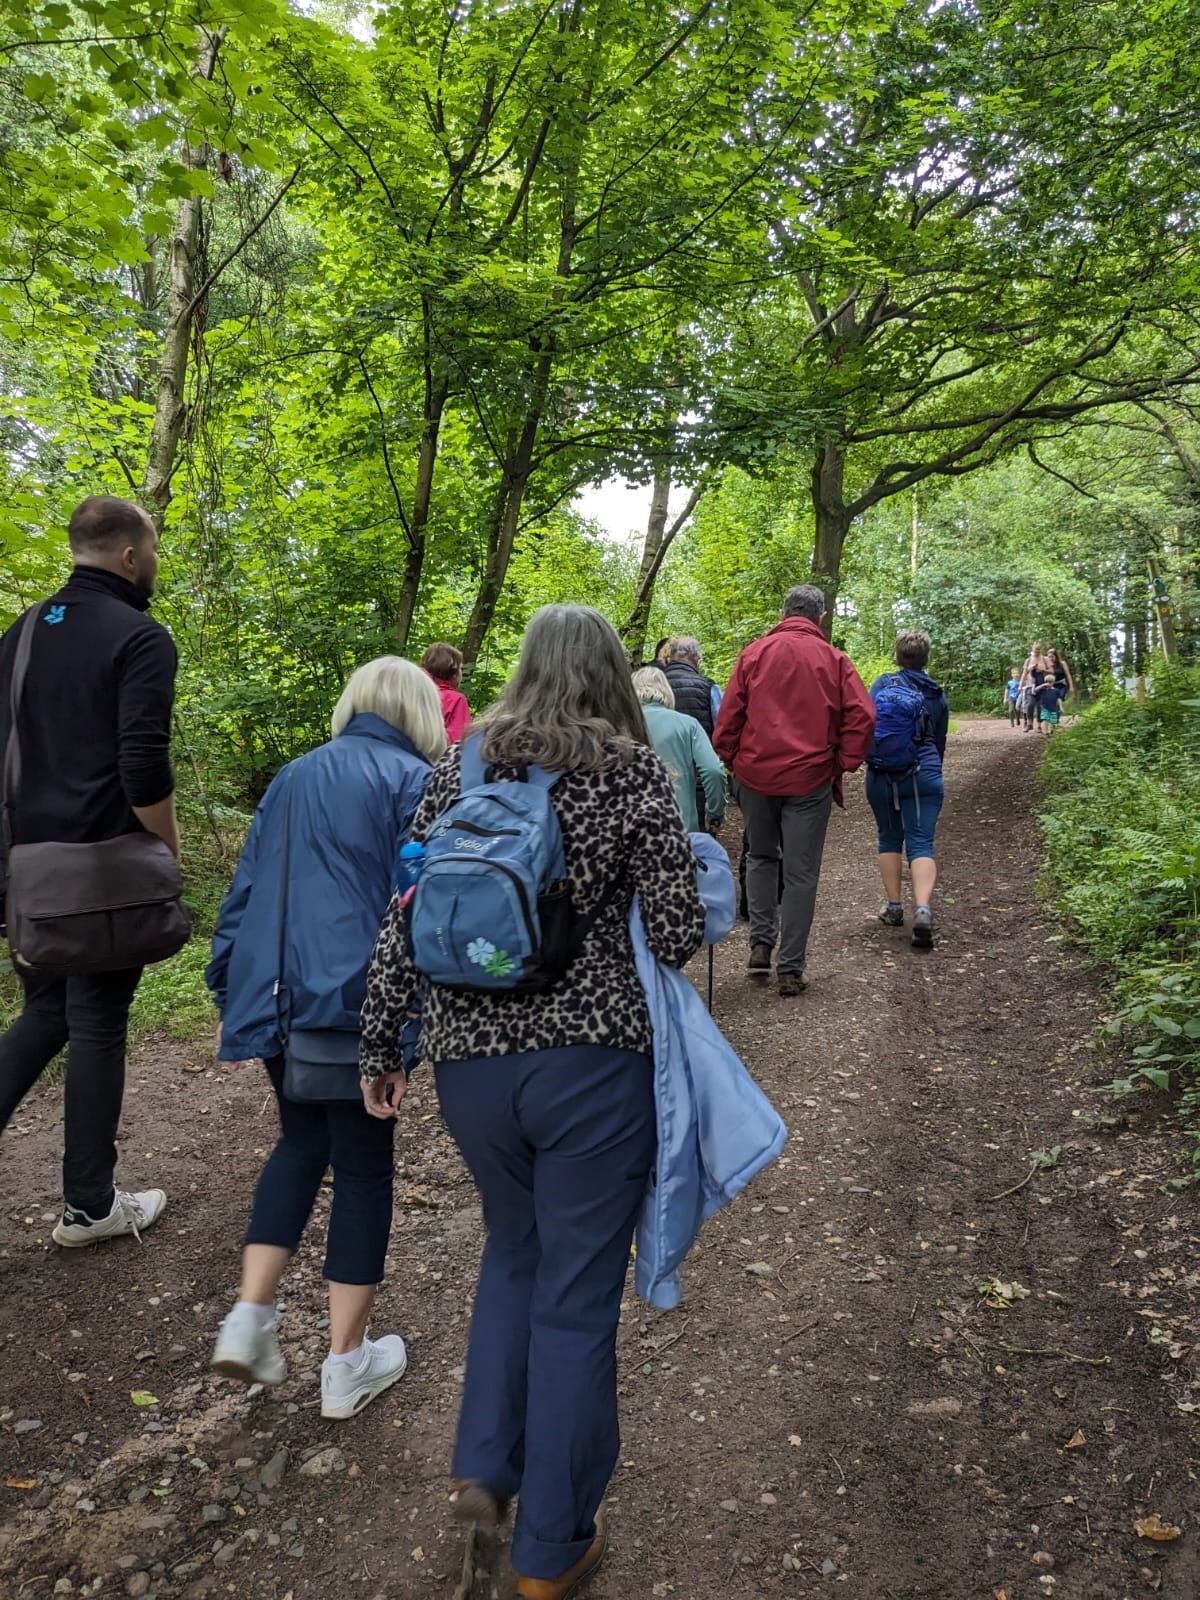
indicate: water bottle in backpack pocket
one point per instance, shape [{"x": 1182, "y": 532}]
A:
[
  {"x": 901, "y": 728},
  {"x": 492, "y": 907}
]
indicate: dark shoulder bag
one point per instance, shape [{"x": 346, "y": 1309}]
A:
[
  {"x": 319, "y": 1064},
  {"x": 78, "y": 908}
]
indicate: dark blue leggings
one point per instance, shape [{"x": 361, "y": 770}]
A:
[
  {"x": 560, "y": 1144},
  {"x": 358, "y": 1147}
]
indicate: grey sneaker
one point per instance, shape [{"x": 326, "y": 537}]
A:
[
  {"x": 892, "y": 916},
  {"x": 248, "y": 1349},
  {"x": 346, "y": 1390},
  {"x": 130, "y": 1214},
  {"x": 791, "y": 984},
  {"x": 922, "y": 928},
  {"x": 760, "y": 960}
]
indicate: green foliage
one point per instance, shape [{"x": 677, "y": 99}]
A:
[{"x": 1122, "y": 828}]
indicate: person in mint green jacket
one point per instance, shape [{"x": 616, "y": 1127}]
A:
[{"x": 686, "y": 750}]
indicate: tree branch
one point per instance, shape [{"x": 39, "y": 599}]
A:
[
  {"x": 387, "y": 456},
  {"x": 231, "y": 255}
]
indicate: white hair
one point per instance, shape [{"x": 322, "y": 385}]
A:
[
  {"x": 402, "y": 695},
  {"x": 653, "y": 687}
]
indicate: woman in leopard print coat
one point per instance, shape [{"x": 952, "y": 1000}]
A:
[{"x": 550, "y": 1097}]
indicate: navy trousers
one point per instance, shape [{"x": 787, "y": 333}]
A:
[
  {"x": 560, "y": 1144},
  {"x": 312, "y": 1138}
]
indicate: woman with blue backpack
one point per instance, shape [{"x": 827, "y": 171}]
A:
[
  {"x": 904, "y": 781},
  {"x": 539, "y": 829},
  {"x": 288, "y": 975}
]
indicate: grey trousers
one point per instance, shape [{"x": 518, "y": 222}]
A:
[{"x": 796, "y": 825}]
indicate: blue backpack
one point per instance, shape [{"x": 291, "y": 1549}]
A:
[
  {"x": 492, "y": 907},
  {"x": 901, "y": 728}
]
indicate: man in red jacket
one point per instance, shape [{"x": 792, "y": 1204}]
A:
[{"x": 795, "y": 717}]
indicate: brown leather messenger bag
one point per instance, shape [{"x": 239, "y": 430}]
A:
[{"x": 75, "y": 908}]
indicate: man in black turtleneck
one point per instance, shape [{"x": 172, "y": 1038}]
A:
[{"x": 95, "y": 727}]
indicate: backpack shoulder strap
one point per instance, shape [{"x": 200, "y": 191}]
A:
[
  {"x": 473, "y": 771},
  {"x": 11, "y": 779}
]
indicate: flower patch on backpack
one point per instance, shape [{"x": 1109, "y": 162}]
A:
[{"x": 482, "y": 953}]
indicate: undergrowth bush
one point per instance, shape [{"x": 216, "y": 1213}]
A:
[{"x": 1121, "y": 817}]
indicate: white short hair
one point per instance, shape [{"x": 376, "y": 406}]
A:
[
  {"x": 400, "y": 693},
  {"x": 653, "y": 687}
]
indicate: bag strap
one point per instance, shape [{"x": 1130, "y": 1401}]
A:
[
  {"x": 12, "y": 750},
  {"x": 281, "y": 1022},
  {"x": 473, "y": 772}
]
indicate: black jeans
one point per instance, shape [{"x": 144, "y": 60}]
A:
[
  {"x": 91, "y": 1014},
  {"x": 313, "y": 1137}
]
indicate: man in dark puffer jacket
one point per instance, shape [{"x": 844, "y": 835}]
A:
[
  {"x": 693, "y": 691},
  {"x": 695, "y": 695}
]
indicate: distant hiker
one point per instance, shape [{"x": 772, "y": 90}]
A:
[
  {"x": 93, "y": 725},
  {"x": 1060, "y": 671},
  {"x": 288, "y": 975},
  {"x": 542, "y": 1050},
  {"x": 661, "y": 654},
  {"x": 685, "y": 750},
  {"x": 443, "y": 663},
  {"x": 1033, "y": 675},
  {"x": 695, "y": 695},
  {"x": 904, "y": 780},
  {"x": 1050, "y": 697},
  {"x": 796, "y": 718},
  {"x": 1012, "y": 695}
]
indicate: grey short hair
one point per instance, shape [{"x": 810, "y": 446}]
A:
[
  {"x": 685, "y": 648},
  {"x": 570, "y": 705},
  {"x": 400, "y": 693},
  {"x": 805, "y": 600},
  {"x": 653, "y": 687}
]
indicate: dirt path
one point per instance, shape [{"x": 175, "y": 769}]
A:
[{"x": 834, "y": 1404}]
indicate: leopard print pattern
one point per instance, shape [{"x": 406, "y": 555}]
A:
[{"x": 622, "y": 822}]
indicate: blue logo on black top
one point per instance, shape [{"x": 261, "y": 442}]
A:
[{"x": 55, "y": 614}]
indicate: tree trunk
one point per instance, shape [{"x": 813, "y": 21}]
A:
[
  {"x": 506, "y": 515},
  {"x": 1162, "y": 609},
  {"x": 832, "y": 520},
  {"x": 437, "y": 393},
  {"x": 915, "y": 536},
  {"x": 656, "y": 528},
  {"x": 170, "y": 411}
]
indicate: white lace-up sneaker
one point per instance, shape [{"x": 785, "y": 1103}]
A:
[
  {"x": 345, "y": 1390},
  {"x": 247, "y": 1348},
  {"x": 131, "y": 1213}
]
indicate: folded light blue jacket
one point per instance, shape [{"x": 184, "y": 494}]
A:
[{"x": 716, "y": 1128}]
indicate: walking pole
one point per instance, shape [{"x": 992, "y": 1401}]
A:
[{"x": 710, "y": 979}]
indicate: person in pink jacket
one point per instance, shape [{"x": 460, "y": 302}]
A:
[{"x": 443, "y": 663}]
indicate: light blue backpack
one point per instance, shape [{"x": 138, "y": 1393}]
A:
[{"x": 492, "y": 907}]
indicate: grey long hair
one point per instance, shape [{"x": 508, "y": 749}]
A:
[{"x": 570, "y": 706}]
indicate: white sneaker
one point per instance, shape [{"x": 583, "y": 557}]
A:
[
  {"x": 345, "y": 1390},
  {"x": 131, "y": 1213},
  {"x": 248, "y": 1349}
]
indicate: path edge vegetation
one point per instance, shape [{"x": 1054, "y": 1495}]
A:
[{"x": 1120, "y": 817}]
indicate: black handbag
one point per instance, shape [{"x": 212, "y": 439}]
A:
[
  {"x": 96, "y": 907},
  {"x": 320, "y": 1065}
]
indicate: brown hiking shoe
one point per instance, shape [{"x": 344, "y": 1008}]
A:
[
  {"x": 573, "y": 1579},
  {"x": 791, "y": 984},
  {"x": 760, "y": 959}
]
